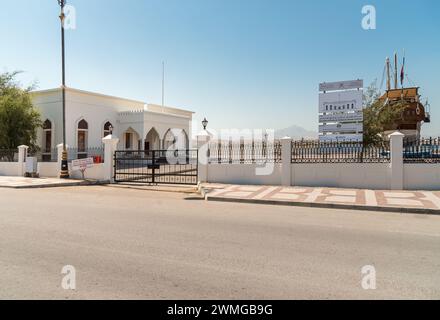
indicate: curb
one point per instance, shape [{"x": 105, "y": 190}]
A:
[
  {"x": 171, "y": 189},
  {"x": 58, "y": 185},
  {"x": 402, "y": 210}
]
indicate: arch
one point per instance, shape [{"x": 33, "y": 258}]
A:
[
  {"x": 82, "y": 138},
  {"x": 152, "y": 141},
  {"x": 47, "y": 125},
  {"x": 48, "y": 136},
  {"x": 176, "y": 139},
  {"x": 131, "y": 139},
  {"x": 107, "y": 129},
  {"x": 186, "y": 139}
]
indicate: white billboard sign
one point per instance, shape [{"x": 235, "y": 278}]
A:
[
  {"x": 341, "y": 111},
  {"x": 341, "y": 85}
]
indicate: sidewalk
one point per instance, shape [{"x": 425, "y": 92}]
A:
[
  {"x": 426, "y": 202},
  {"x": 27, "y": 183}
]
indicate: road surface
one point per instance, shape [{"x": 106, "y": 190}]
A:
[{"x": 137, "y": 244}]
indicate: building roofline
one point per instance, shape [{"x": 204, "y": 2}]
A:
[
  {"x": 87, "y": 92},
  {"x": 169, "y": 108}
]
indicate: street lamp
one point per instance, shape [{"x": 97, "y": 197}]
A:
[
  {"x": 205, "y": 123},
  {"x": 64, "y": 174}
]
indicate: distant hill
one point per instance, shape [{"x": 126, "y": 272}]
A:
[{"x": 296, "y": 132}]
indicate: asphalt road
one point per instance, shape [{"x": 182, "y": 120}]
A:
[{"x": 137, "y": 244}]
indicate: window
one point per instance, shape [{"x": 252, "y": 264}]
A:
[
  {"x": 83, "y": 128},
  {"x": 107, "y": 129},
  {"x": 128, "y": 140},
  {"x": 47, "y": 136}
]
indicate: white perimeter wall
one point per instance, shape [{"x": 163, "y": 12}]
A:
[
  {"x": 421, "y": 176},
  {"x": 242, "y": 174},
  {"x": 52, "y": 170},
  {"x": 342, "y": 175},
  {"x": 369, "y": 176},
  {"x": 9, "y": 168}
]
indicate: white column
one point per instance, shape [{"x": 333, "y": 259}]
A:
[
  {"x": 286, "y": 161},
  {"x": 110, "y": 146},
  {"x": 203, "y": 139},
  {"x": 22, "y": 154},
  {"x": 396, "y": 169}
]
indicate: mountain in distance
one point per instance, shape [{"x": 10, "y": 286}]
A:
[{"x": 296, "y": 132}]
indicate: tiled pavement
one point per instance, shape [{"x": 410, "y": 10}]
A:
[
  {"x": 399, "y": 201},
  {"x": 21, "y": 182}
]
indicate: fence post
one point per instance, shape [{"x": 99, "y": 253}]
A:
[
  {"x": 22, "y": 154},
  {"x": 396, "y": 150},
  {"x": 110, "y": 146},
  {"x": 286, "y": 161},
  {"x": 203, "y": 139}
]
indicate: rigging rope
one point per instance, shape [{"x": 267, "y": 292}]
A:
[{"x": 383, "y": 78}]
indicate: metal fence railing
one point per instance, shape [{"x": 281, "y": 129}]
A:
[
  {"x": 424, "y": 150},
  {"x": 8, "y": 155},
  {"x": 315, "y": 151},
  {"x": 244, "y": 152},
  {"x": 97, "y": 153},
  {"x": 156, "y": 166},
  {"x": 45, "y": 155}
]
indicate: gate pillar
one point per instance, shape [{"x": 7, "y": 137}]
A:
[
  {"x": 203, "y": 157},
  {"x": 110, "y": 145}
]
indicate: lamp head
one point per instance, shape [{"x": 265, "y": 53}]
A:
[{"x": 205, "y": 123}]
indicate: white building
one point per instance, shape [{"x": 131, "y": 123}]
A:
[{"x": 90, "y": 117}]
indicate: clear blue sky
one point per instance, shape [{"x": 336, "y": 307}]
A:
[{"x": 240, "y": 63}]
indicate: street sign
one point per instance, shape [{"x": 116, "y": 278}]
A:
[{"x": 82, "y": 164}]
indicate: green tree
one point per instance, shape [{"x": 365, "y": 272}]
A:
[
  {"x": 19, "y": 120},
  {"x": 379, "y": 115}
]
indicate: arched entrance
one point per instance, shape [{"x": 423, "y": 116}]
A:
[
  {"x": 131, "y": 140},
  {"x": 176, "y": 139},
  {"x": 152, "y": 141}
]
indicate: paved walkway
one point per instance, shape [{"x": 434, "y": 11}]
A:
[
  {"x": 23, "y": 183},
  {"x": 396, "y": 201}
]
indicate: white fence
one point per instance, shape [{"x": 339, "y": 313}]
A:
[
  {"x": 392, "y": 173},
  {"x": 99, "y": 171},
  {"x": 384, "y": 170}
]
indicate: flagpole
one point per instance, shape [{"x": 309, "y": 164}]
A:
[{"x": 163, "y": 85}]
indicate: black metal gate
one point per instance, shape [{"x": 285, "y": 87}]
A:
[{"x": 156, "y": 166}]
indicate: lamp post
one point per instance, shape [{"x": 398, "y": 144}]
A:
[
  {"x": 64, "y": 173},
  {"x": 205, "y": 123}
]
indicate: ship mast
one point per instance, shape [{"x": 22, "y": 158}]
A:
[
  {"x": 395, "y": 71},
  {"x": 388, "y": 74}
]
